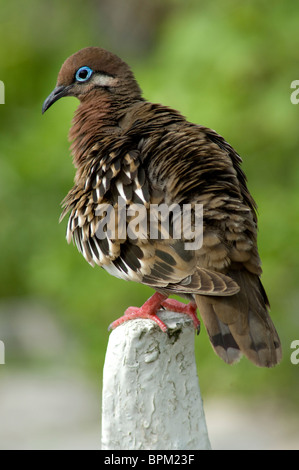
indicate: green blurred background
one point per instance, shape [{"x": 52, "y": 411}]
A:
[{"x": 227, "y": 65}]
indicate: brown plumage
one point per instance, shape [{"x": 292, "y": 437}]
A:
[{"x": 144, "y": 153}]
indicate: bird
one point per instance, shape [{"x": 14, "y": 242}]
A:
[{"x": 129, "y": 152}]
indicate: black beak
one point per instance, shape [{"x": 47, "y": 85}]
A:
[{"x": 56, "y": 94}]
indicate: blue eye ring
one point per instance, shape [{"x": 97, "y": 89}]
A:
[{"x": 83, "y": 74}]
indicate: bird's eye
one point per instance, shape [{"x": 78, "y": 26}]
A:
[{"x": 83, "y": 74}]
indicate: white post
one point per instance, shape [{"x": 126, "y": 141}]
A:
[{"x": 151, "y": 395}]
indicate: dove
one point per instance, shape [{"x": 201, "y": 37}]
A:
[{"x": 135, "y": 159}]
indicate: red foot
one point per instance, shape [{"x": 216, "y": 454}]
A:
[
  {"x": 189, "y": 309},
  {"x": 150, "y": 308}
]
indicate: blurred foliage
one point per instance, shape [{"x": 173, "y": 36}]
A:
[{"x": 227, "y": 65}]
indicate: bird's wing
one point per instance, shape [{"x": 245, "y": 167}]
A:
[
  {"x": 122, "y": 180},
  {"x": 195, "y": 165},
  {"x": 186, "y": 165}
]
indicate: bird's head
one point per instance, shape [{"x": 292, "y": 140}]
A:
[{"x": 94, "y": 71}]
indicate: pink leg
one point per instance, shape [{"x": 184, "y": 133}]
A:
[
  {"x": 148, "y": 310},
  {"x": 189, "y": 309}
]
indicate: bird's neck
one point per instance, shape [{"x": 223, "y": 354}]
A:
[{"x": 94, "y": 122}]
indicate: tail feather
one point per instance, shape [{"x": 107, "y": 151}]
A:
[
  {"x": 219, "y": 333},
  {"x": 241, "y": 323}
]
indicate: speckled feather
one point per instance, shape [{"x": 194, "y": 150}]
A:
[{"x": 126, "y": 147}]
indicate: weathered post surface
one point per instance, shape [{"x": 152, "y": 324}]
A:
[{"x": 151, "y": 395}]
